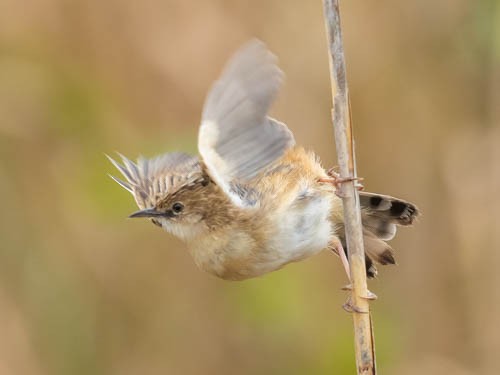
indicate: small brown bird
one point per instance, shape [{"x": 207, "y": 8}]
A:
[{"x": 254, "y": 201}]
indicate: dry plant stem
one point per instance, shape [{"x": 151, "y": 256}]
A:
[{"x": 359, "y": 303}]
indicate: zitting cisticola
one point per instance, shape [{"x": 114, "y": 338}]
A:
[{"x": 253, "y": 201}]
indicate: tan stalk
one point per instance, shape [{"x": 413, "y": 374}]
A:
[{"x": 341, "y": 114}]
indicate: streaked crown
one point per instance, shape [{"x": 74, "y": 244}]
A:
[{"x": 151, "y": 180}]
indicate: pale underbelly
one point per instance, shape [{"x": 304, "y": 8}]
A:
[
  {"x": 291, "y": 233},
  {"x": 299, "y": 232},
  {"x": 303, "y": 231}
]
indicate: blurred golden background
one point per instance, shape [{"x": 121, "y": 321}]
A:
[{"x": 85, "y": 291}]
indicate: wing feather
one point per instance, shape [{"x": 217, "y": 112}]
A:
[{"x": 237, "y": 139}]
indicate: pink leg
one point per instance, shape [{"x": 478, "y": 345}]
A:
[{"x": 338, "y": 249}]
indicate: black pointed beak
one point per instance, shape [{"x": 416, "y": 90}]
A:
[{"x": 147, "y": 212}]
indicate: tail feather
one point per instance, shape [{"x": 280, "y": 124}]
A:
[
  {"x": 382, "y": 229},
  {"x": 380, "y": 215},
  {"x": 388, "y": 209}
]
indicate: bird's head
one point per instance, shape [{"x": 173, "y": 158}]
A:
[
  {"x": 183, "y": 213},
  {"x": 175, "y": 193}
]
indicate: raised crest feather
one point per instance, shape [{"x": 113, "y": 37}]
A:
[{"x": 148, "y": 179}]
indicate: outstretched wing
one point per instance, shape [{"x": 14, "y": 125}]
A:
[
  {"x": 150, "y": 179},
  {"x": 237, "y": 140}
]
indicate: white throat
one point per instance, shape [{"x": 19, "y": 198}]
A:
[{"x": 185, "y": 231}]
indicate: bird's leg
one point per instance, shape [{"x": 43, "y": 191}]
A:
[
  {"x": 335, "y": 179},
  {"x": 337, "y": 248}
]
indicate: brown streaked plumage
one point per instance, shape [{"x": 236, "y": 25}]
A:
[{"x": 254, "y": 201}]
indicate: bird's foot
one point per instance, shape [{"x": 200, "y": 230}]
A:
[
  {"x": 350, "y": 307},
  {"x": 369, "y": 295},
  {"x": 332, "y": 172},
  {"x": 337, "y": 181}
]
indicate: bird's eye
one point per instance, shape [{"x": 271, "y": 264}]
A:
[{"x": 177, "y": 207}]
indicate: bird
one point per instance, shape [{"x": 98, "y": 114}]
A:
[{"x": 253, "y": 200}]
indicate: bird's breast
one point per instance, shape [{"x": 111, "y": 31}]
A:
[
  {"x": 266, "y": 242},
  {"x": 230, "y": 253}
]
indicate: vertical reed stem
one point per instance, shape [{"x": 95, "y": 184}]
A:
[{"x": 341, "y": 116}]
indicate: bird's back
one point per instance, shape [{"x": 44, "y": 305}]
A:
[{"x": 290, "y": 180}]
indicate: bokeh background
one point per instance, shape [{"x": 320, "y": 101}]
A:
[{"x": 83, "y": 290}]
